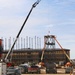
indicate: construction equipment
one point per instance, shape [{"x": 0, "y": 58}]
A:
[
  {"x": 71, "y": 61},
  {"x": 3, "y": 69},
  {"x": 60, "y": 47},
  {"x": 33, "y": 6}
]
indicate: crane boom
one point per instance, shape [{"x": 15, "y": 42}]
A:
[{"x": 33, "y": 6}]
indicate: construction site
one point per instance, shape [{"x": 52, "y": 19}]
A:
[
  {"x": 28, "y": 60},
  {"x": 34, "y": 55},
  {"x": 49, "y": 54}
]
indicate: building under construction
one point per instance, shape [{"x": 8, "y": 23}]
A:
[{"x": 51, "y": 53}]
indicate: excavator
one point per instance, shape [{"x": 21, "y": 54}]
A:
[{"x": 3, "y": 62}]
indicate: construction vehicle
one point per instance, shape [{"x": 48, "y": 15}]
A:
[
  {"x": 3, "y": 64},
  {"x": 13, "y": 71},
  {"x": 34, "y": 69},
  {"x": 24, "y": 68}
]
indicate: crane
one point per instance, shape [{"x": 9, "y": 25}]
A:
[
  {"x": 33, "y": 6},
  {"x": 3, "y": 62}
]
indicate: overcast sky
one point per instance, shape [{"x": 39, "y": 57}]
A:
[{"x": 56, "y": 16}]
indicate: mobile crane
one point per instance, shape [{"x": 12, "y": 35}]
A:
[{"x": 3, "y": 65}]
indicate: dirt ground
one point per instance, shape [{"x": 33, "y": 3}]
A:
[
  {"x": 48, "y": 74},
  {"x": 60, "y": 72}
]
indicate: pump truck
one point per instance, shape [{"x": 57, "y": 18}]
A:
[{"x": 3, "y": 63}]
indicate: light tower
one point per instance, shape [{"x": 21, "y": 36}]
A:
[{"x": 49, "y": 41}]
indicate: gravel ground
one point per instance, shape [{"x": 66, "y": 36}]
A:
[
  {"x": 48, "y": 74},
  {"x": 60, "y": 72}
]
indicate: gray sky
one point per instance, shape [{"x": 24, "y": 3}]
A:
[{"x": 56, "y": 16}]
